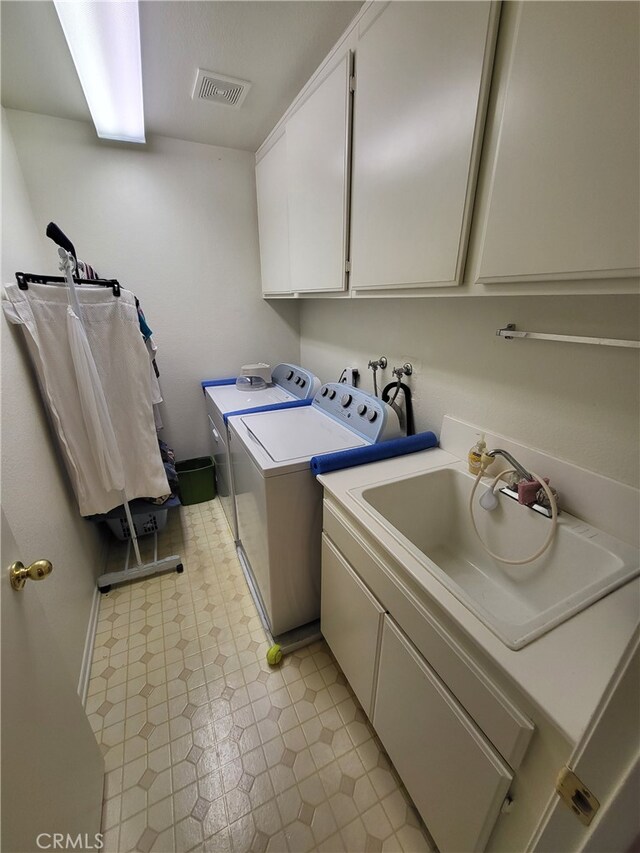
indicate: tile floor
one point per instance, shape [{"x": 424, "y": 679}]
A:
[{"x": 206, "y": 747}]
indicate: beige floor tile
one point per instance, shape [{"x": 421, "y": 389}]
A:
[
  {"x": 323, "y": 824},
  {"x": 299, "y": 837},
  {"x": 111, "y": 840},
  {"x": 277, "y": 843},
  {"x": 209, "y": 749}
]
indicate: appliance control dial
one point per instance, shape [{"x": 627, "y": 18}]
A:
[
  {"x": 303, "y": 382},
  {"x": 362, "y": 409},
  {"x": 324, "y": 392},
  {"x": 345, "y": 400},
  {"x": 298, "y": 380},
  {"x": 372, "y": 415},
  {"x": 332, "y": 394},
  {"x": 289, "y": 375}
]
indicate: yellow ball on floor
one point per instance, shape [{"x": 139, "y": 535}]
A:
[{"x": 274, "y": 655}]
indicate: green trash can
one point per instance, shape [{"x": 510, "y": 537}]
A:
[{"x": 197, "y": 480}]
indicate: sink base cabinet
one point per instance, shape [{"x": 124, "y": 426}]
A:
[
  {"x": 456, "y": 738},
  {"x": 455, "y": 777}
]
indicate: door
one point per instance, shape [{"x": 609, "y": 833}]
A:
[
  {"x": 607, "y": 761},
  {"x": 351, "y": 620},
  {"x": 562, "y": 155},
  {"x": 455, "y": 777},
  {"x": 52, "y": 769}
]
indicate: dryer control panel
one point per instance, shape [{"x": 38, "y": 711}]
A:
[
  {"x": 297, "y": 381},
  {"x": 363, "y": 413}
]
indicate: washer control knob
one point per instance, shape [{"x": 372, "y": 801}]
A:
[
  {"x": 289, "y": 375},
  {"x": 303, "y": 382},
  {"x": 346, "y": 400},
  {"x": 297, "y": 380},
  {"x": 362, "y": 409},
  {"x": 372, "y": 415},
  {"x": 332, "y": 394},
  {"x": 324, "y": 392}
]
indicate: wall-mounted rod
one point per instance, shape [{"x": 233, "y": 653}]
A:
[{"x": 510, "y": 332}]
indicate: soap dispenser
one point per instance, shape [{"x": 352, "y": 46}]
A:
[{"x": 475, "y": 455}]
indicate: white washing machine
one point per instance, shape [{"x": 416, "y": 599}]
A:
[
  {"x": 289, "y": 383},
  {"x": 279, "y": 501}
]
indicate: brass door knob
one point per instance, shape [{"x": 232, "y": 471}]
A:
[{"x": 37, "y": 571}]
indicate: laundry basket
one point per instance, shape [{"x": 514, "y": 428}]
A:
[
  {"x": 196, "y": 479},
  {"x": 144, "y": 523}
]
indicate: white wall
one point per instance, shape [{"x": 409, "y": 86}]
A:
[
  {"x": 576, "y": 402},
  {"x": 176, "y": 223},
  {"x": 36, "y": 496}
]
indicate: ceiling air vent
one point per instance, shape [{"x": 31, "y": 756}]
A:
[{"x": 211, "y": 86}]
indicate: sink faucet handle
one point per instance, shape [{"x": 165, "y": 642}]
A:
[
  {"x": 543, "y": 499},
  {"x": 512, "y": 479}
]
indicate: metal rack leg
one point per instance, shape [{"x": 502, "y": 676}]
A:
[{"x": 140, "y": 570}]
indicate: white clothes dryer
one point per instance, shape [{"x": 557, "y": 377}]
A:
[
  {"x": 289, "y": 383},
  {"x": 279, "y": 501}
]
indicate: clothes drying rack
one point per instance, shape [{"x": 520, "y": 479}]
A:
[{"x": 131, "y": 571}]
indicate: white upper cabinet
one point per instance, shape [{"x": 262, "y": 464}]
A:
[
  {"x": 318, "y": 149},
  {"x": 273, "y": 221},
  {"x": 563, "y": 158},
  {"x": 492, "y": 160},
  {"x": 422, "y": 75}
]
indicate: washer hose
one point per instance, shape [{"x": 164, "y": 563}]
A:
[
  {"x": 411, "y": 430},
  {"x": 554, "y": 518}
]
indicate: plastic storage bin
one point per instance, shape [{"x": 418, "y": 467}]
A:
[{"x": 196, "y": 479}]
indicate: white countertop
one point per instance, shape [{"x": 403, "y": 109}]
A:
[{"x": 565, "y": 672}]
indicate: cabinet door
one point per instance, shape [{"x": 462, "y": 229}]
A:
[
  {"x": 318, "y": 145},
  {"x": 564, "y": 155},
  {"x": 422, "y": 74},
  {"x": 455, "y": 777},
  {"x": 350, "y": 622},
  {"x": 273, "y": 220}
]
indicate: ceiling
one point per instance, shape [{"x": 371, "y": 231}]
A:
[{"x": 274, "y": 45}]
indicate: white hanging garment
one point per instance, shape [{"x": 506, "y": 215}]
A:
[
  {"x": 101, "y": 452},
  {"x": 97, "y": 420},
  {"x": 95, "y": 411}
]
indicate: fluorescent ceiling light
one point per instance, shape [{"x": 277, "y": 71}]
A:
[{"x": 104, "y": 40}]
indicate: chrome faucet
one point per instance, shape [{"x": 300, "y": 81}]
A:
[
  {"x": 524, "y": 474},
  {"x": 541, "y": 504}
]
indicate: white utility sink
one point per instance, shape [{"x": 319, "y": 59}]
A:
[{"x": 428, "y": 514}]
